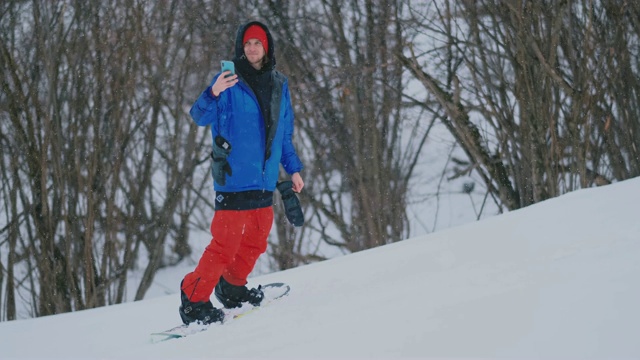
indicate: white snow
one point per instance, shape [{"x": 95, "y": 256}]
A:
[{"x": 559, "y": 279}]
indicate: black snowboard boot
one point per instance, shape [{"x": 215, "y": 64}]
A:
[
  {"x": 232, "y": 296},
  {"x": 202, "y": 312}
]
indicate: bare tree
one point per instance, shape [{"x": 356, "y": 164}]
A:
[
  {"x": 529, "y": 93},
  {"x": 98, "y": 150},
  {"x": 347, "y": 91}
]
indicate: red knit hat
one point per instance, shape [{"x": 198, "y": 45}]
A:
[{"x": 256, "y": 32}]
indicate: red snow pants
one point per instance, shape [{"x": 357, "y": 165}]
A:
[{"x": 239, "y": 238}]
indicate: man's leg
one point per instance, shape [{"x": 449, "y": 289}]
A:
[
  {"x": 227, "y": 231},
  {"x": 253, "y": 244}
]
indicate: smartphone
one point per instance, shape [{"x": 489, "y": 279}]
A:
[{"x": 228, "y": 66}]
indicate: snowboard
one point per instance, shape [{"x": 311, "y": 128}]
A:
[{"x": 272, "y": 292}]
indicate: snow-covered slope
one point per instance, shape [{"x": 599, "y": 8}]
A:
[{"x": 557, "y": 279}]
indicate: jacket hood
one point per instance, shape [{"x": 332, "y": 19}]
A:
[{"x": 240, "y": 46}]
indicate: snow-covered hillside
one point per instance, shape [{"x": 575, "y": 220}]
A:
[{"x": 558, "y": 279}]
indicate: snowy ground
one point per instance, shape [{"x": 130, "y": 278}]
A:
[{"x": 555, "y": 280}]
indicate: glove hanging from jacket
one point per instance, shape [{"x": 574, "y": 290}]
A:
[{"x": 292, "y": 208}]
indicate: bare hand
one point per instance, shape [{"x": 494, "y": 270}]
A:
[
  {"x": 298, "y": 184},
  {"x": 224, "y": 81}
]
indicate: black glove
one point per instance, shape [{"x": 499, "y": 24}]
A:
[
  {"x": 221, "y": 149},
  {"x": 291, "y": 203}
]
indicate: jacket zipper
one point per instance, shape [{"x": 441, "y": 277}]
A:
[{"x": 264, "y": 152}]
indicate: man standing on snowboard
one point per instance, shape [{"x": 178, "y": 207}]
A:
[{"x": 251, "y": 121}]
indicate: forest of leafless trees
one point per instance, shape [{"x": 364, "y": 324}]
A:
[{"x": 104, "y": 174}]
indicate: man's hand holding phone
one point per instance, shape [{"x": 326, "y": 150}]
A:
[{"x": 227, "y": 78}]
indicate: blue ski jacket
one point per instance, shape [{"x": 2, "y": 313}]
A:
[{"x": 235, "y": 115}]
